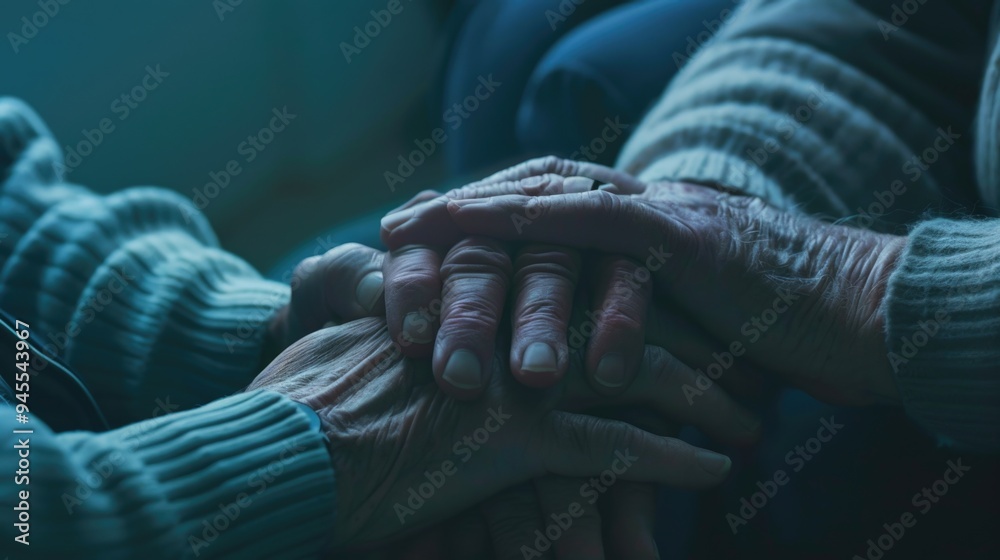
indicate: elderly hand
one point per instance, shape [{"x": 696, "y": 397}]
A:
[
  {"x": 797, "y": 296},
  {"x": 341, "y": 285},
  {"x": 405, "y": 455},
  {"x": 466, "y": 287}
]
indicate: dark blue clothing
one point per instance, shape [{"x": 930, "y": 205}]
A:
[{"x": 570, "y": 73}]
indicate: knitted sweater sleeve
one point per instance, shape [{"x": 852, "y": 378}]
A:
[
  {"x": 130, "y": 289},
  {"x": 242, "y": 477},
  {"x": 862, "y": 112}
]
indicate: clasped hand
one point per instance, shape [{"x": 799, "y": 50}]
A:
[{"x": 559, "y": 288}]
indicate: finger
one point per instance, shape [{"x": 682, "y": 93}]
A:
[
  {"x": 413, "y": 297},
  {"x": 629, "y": 513},
  {"x": 544, "y": 282},
  {"x": 513, "y": 517},
  {"x": 470, "y": 536},
  {"x": 572, "y": 521},
  {"x": 419, "y": 198},
  {"x": 621, "y": 297},
  {"x": 670, "y": 328},
  {"x": 628, "y": 510},
  {"x": 540, "y": 185},
  {"x": 475, "y": 276},
  {"x": 343, "y": 284},
  {"x": 690, "y": 397},
  {"x": 567, "y": 168},
  {"x": 434, "y": 214},
  {"x": 580, "y": 445},
  {"x": 615, "y": 224}
]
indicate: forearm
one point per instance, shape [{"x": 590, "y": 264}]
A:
[{"x": 243, "y": 477}]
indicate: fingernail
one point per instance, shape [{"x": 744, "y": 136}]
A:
[
  {"x": 539, "y": 356},
  {"x": 417, "y": 328},
  {"x": 463, "y": 370},
  {"x": 611, "y": 371},
  {"x": 713, "y": 463},
  {"x": 369, "y": 290},
  {"x": 393, "y": 221}
]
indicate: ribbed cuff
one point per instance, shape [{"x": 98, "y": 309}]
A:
[
  {"x": 709, "y": 166},
  {"x": 943, "y": 328},
  {"x": 243, "y": 477}
]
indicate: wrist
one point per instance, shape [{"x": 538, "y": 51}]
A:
[{"x": 881, "y": 382}]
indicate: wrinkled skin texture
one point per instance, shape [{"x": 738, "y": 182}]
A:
[
  {"x": 542, "y": 279},
  {"x": 732, "y": 257},
  {"x": 342, "y": 284},
  {"x": 388, "y": 423}
]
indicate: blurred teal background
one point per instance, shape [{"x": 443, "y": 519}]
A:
[{"x": 229, "y": 64}]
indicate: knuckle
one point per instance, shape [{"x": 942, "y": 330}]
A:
[
  {"x": 620, "y": 320},
  {"x": 471, "y": 190},
  {"x": 305, "y": 269},
  {"x": 610, "y": 202},
  {"x": 547, "y": 260},
  {"x": 417, "y": 279},
  {"x": 344, "y": 256},
  {"x": 539, "y": 319},
  {"x": 544, "y": 164},
  {"x": 477, "y": 255},
  {"x": 471, "y": 309}
]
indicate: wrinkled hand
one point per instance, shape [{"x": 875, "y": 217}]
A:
[
  {"x": 341, "y": 285},
  {"x": 797, "y": 296},
  {"x": 405, "y": 455},
  {"x": 464, "y": 288}
]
